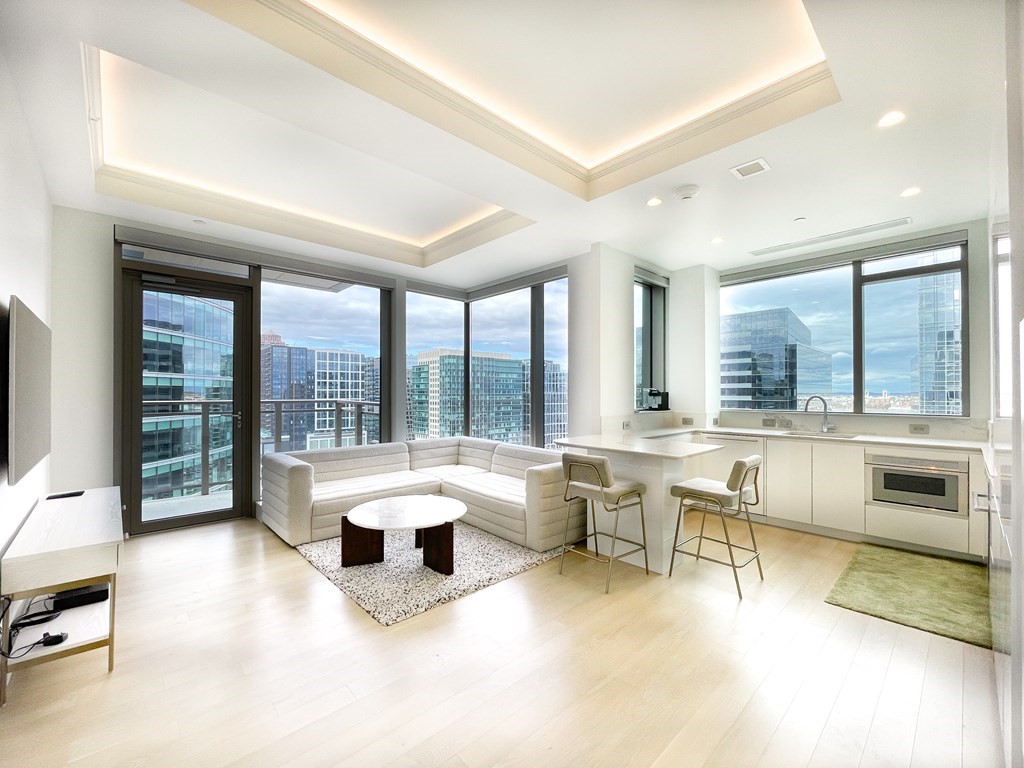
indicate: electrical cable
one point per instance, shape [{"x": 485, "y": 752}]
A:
[{"x": 46, "y": 639}]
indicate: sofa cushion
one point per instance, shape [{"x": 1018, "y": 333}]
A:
[
  {"x": 332, "y": 500},
  {"x": 433, "y": 452},
  {"x": 501, "y": 496},
  {"x": 476, "y": 452},
  {"x": 356, "y": 461},
  {"x": 514, "y": 460},
  {"x": 450, "y": 470}
]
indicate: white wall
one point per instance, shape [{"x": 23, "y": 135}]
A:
[
  {"x": 692, "y": 344},
  {"x": 83, "y": 350},
  {"x": 24, "y": 271},
  {"x": 601, "y": 360}
]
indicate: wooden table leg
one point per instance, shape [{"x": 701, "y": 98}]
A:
[
  {"x": 439, "y": 548},
  {"x": 360, "y": 546}
]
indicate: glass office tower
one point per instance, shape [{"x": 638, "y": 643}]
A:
[{"x": 768, "y": 361}]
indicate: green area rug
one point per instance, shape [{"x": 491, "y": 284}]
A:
[{"x": 946, "y": 597}]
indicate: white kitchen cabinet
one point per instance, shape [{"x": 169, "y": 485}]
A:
[
  {"x": 837, "y": 486},
  {"x": 718, "y": 464},
  {"x": 788, "y": 474},
  {"x": 931, "y": 529}
]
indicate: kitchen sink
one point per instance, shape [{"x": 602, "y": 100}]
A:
[{"x": 818, "y": 433}]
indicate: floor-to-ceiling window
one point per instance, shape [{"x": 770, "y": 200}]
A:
[
  {"x": 320, "y": 363},
  {"x": 499, "y": 367},
  {"x": 509, "y": 382},
  {"x": 434, "y": 365}
]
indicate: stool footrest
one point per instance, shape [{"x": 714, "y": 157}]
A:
[
  {"x": 605, "y": 558},
  {"x": 754, "y": 553}
]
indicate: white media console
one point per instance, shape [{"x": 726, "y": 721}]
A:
[{"x": 65, "y": 543}]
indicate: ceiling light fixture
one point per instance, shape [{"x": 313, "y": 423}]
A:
[
  {"x": 686, "y": 192},
  {"x": 717, "y": 241},
  {"x": 799, "y": 219},
  {"x": 653, "y": 202},
  {"x": 890, "y": 119},
  {"x": 910, "y": 192}
]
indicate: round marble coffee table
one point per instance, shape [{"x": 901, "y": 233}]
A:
[{"x": 362, "y": 529}]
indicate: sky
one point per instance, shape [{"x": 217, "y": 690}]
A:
[
  {"x": 823, "y": 301},
  {"x": 351, "y": 320}
]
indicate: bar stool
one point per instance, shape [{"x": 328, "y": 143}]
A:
[
  {"x": 727, "y": 499},
  {"x": 590, "y": 478}
]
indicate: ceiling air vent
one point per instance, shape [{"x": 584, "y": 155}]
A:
[
  {"x": 832, "y": 236},
  {"x": 753, "y": 168}
]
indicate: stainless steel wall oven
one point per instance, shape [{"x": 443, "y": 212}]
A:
[{"x": 928, "y": 484}]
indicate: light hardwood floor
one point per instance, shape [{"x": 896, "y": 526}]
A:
[{"x": 232, "y": 650}]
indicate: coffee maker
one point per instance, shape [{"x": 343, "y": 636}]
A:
[{"x": 655, "y": 400}]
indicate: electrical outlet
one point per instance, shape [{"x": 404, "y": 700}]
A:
[
  {"x": 627, "y": 425},
  {"x": 685, "y": 421},
  {"x": 714, "y": 421},
  {"x": 769, "y": 422},
  {"x": 785, "y": 423},
  {"x": 919, "y": 429}
]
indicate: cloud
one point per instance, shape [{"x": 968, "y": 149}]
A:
[{"x": 351, "y": 320}]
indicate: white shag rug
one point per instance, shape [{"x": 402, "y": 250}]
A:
[{"x": 402, "y": 586}]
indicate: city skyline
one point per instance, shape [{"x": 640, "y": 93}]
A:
[
  {"x": 350, "y": 320},
  {"x": 823, "y": 301}
]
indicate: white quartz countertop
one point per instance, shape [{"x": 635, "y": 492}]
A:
[
  {"x": 665, "y": 433},
  {"x": 640, "y": 444}
]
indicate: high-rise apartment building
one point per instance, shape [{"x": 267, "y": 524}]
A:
[
  {"x": 499, "y": 397},
  {"x": 435, "y": 394},
  {"x": 286, "y": 374},
  {"x": 339, "y": 376},
  {"x": 768, "y": 361}
]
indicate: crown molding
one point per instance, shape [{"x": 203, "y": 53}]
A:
[
  {"x": 194, "y": 200},
  {"x": 784, "y": 100},
  {"x": 498, "y": 224},
  {"x": 323, "y": 41},
  {"x": 318, "y": 39}
]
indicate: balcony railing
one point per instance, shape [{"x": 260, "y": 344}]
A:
[
  {"x": 349, "y": 418},
  {"x": 204, "y": 410}
]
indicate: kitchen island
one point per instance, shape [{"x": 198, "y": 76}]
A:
[{"x": 658, "y": 462}]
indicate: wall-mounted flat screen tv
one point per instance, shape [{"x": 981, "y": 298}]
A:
[{"x": 28, "y": 382}]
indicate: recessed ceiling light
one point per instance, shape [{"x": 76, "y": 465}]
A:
[
  {"x": 910, "y": 192},
  {"x": 654, "y": 202},
  {"x": 890, "y": 119},
  {"x": 198, "y": 221},
  {"x": 799, "y": 219},
  {"x": 717, "y": 241}
]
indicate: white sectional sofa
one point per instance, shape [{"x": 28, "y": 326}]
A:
[{"x": 512, "y": 491}]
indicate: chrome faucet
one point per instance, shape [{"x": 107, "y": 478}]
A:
[{"x": 826, "y": 426}]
